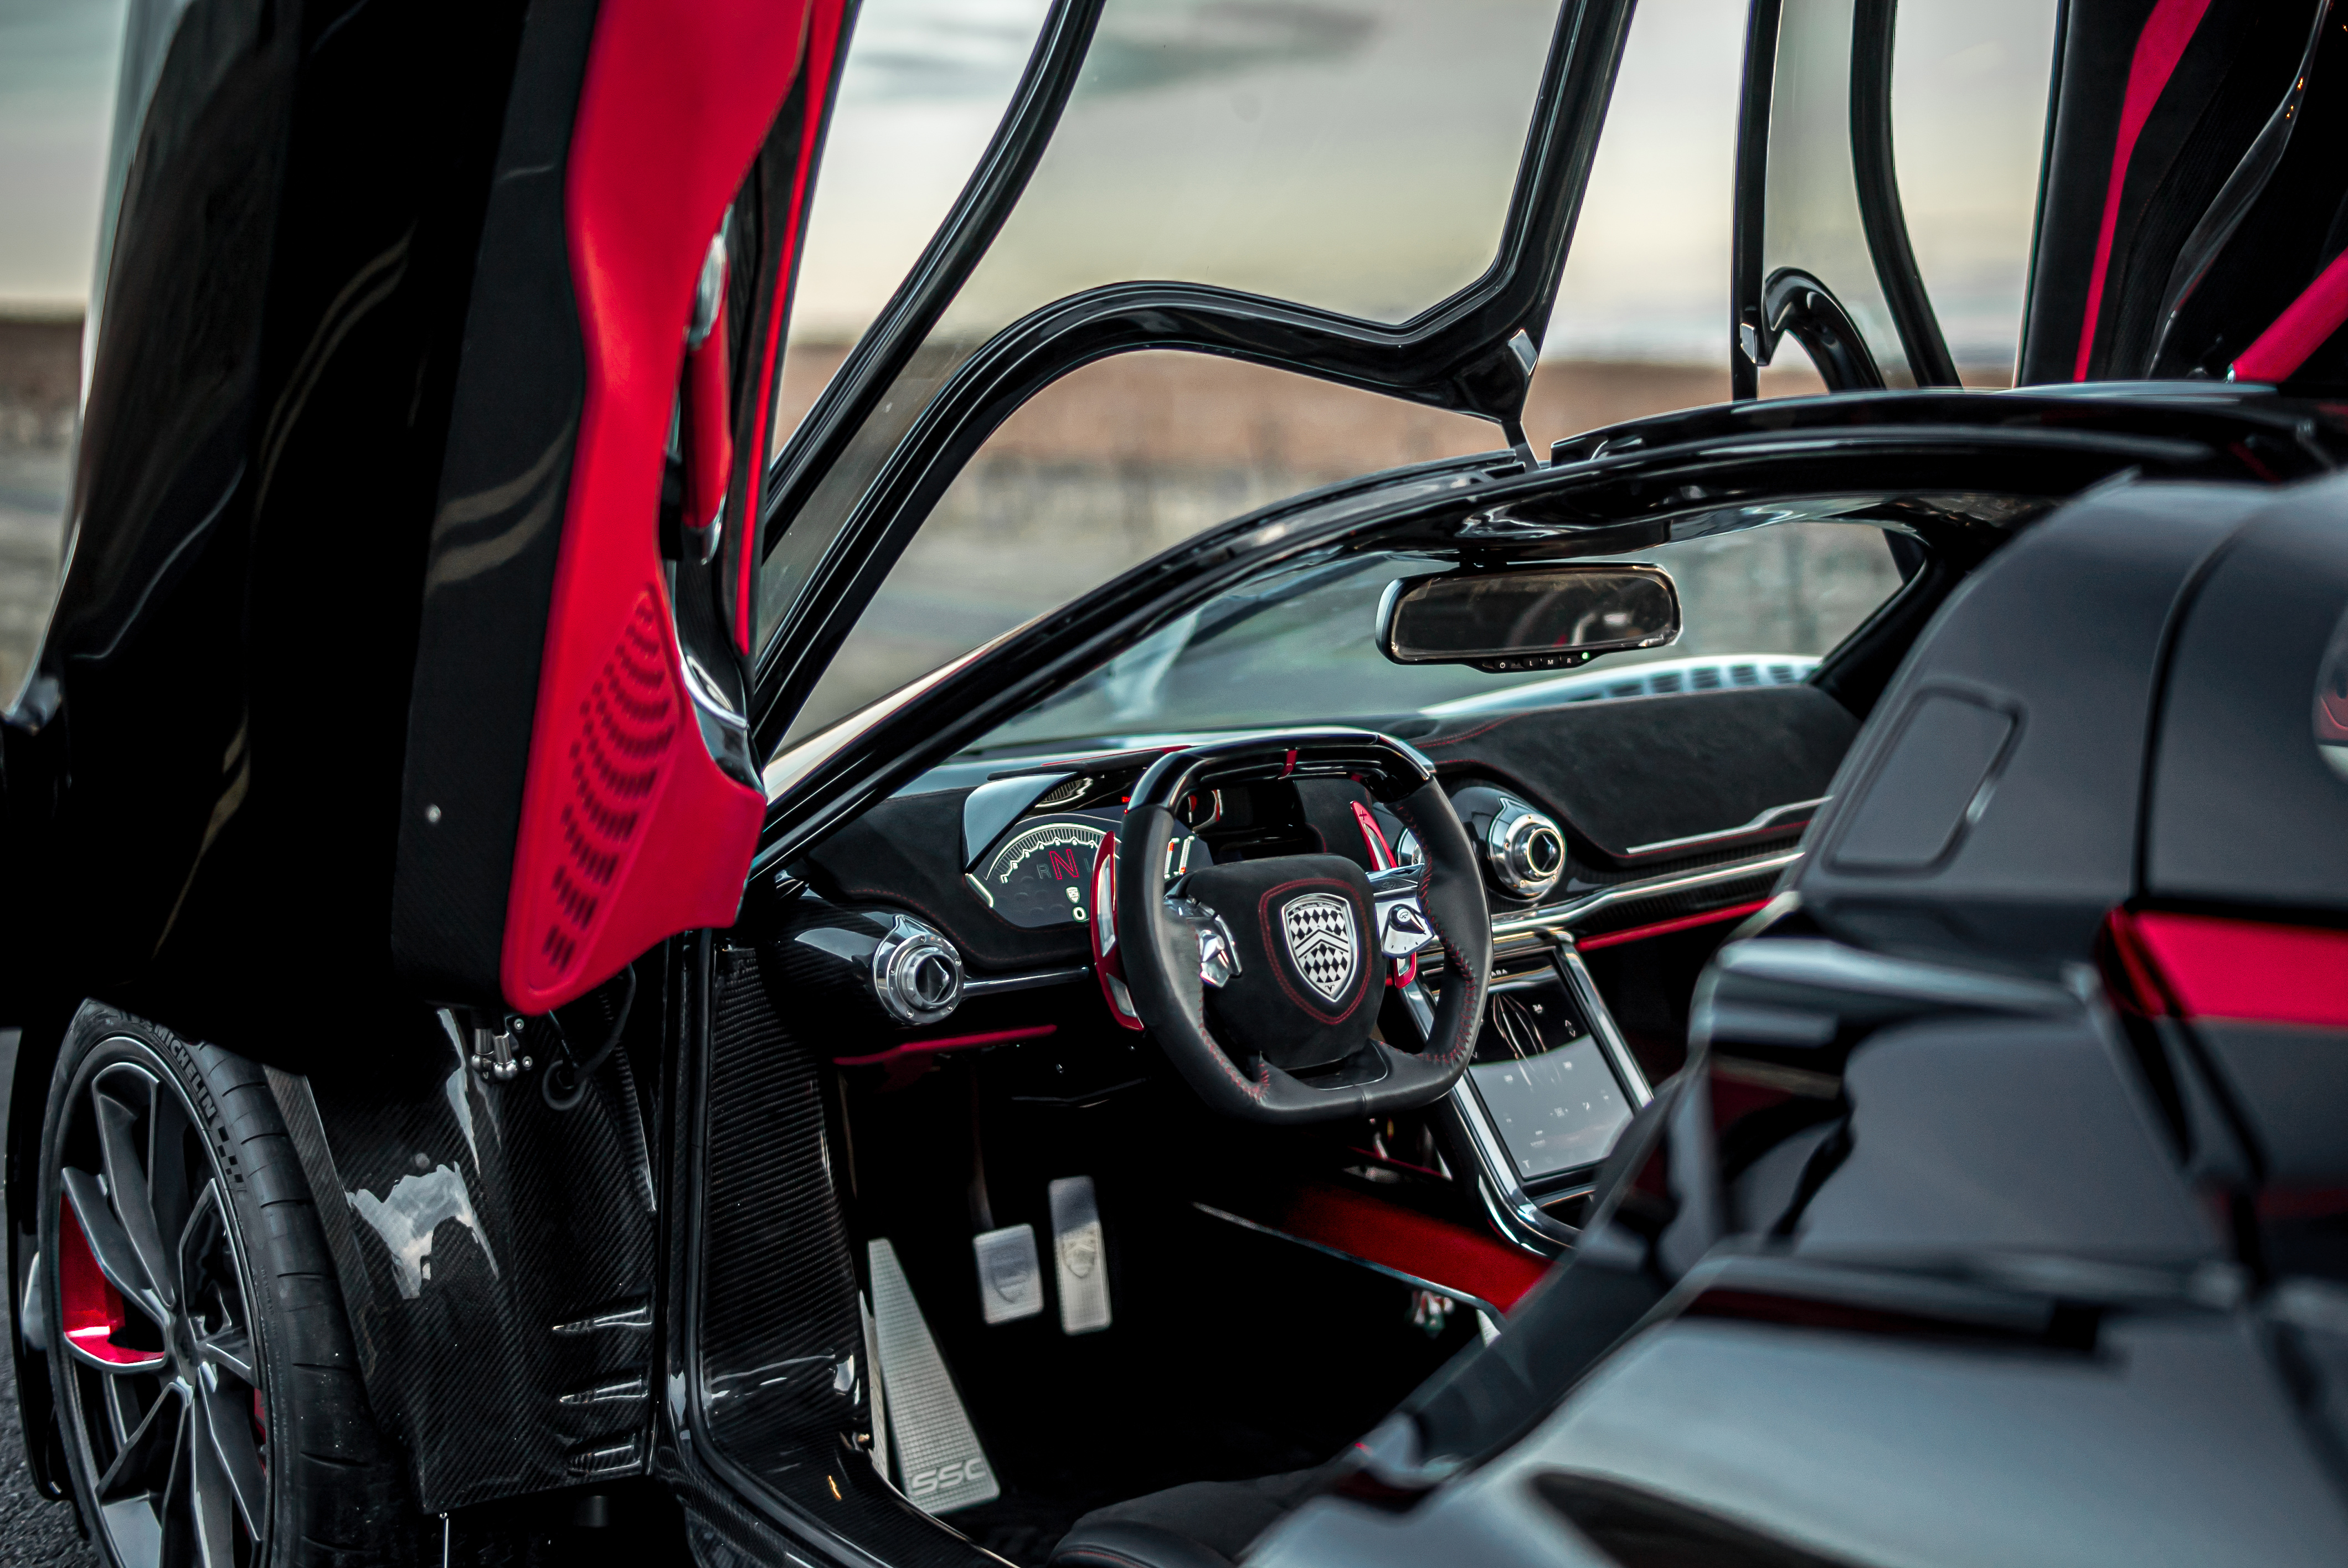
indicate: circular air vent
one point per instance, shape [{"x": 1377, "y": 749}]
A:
[
  {"x": 1524, "y": 851},
  {"x": 916, "y": 973}
]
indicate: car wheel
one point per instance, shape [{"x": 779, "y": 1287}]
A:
[{"x": 203, "y": 1363}]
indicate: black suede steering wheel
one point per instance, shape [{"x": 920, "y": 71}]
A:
[{"x": 1263, "y": 980}]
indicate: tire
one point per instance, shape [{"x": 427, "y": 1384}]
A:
[{"x": 272, "y": 1458}]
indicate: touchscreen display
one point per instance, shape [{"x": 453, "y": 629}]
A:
[{"x": 1552, "y": 1097}]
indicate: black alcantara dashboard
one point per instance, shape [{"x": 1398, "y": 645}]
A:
[{"x": 1617, "y": 801}]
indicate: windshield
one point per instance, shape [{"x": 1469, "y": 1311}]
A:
[{"x": 1760, "y": 606}]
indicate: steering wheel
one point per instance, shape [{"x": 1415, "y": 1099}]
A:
[{"x": 1263, "y": 980}]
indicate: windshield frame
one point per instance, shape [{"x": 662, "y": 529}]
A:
[
  {"x": 2048, "y": 443},
  {"x": 1472, "y": 352}
]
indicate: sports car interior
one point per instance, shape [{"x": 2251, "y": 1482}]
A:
[
  {"x": 1063, "y": 1091},
  {"x": 1137, "y": 1032}
]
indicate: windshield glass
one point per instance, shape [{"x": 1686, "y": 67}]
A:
[
  {"x": 1759, "y": 605},
  {"x": 1358, "y": 158}
]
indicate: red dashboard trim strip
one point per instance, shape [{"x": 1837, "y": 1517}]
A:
[
  {"x": 1665, "y": 927},
  {"x": 913, "y": 1048}
]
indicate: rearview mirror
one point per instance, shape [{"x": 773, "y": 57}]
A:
[{"x": 1528, "y": 618}]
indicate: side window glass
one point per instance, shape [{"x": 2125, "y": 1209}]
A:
[
  {"x": 1644, "y": 301},
  {"x": 1356, "y": 159},
  {"x": 1969, "y": 86},
  {"x": 1811, "y": 220},
  {"x": 1099, "y": 471},
  {"x": 924, "y": 86},
  {"x": 1967, "y": 95}
]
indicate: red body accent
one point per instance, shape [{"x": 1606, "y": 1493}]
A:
[
  {"x": 2203, "y": 966},
  {"x": 2159, "y": 48},
  {"x": 709, "y": 458},
  {"x": 1444, "y": 1254},
  {"x": 629, "y": 830},
  {"x": 2301, "y": 330},
  {"x": 90, "y": 1311},
  {"x": 1665, "y": 927}
]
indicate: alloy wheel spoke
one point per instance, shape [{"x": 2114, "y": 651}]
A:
[
  {"x": 231, "y": 1350},
  {"x": 111, "y": 1244},
  {"x": 206, "y": 1223},
  {"x": 167, "y": 1163},
  {"x": 211, "y": 1498},
  {"x": 126, "y": 1176},
  {"x": 145, "y": 1462},
  {"x": 178, "y": 1519},
  {"x": 228, "y": 1425}
]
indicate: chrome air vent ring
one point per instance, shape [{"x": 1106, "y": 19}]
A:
[
  {"x": 916, "y": 973},
  {"x": 1523, "y": 849}
]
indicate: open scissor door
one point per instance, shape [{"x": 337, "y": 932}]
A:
[{"x": 578, "y": 780}]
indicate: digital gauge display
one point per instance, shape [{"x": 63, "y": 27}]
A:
[{"x": 1037, "y": 877}]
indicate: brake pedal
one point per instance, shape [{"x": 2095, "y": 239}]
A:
[
  {"x": 939, "y": 1462},
  {"x": 1010, "y": 1282}
]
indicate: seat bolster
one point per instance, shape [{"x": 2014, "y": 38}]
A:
[{"x": 1125, "y": 1543}]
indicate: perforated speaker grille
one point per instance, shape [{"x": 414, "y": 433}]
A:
[{"x": 617, "y": 756}]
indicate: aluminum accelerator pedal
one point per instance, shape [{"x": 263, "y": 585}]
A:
[{"x": 939, "y": 1462}]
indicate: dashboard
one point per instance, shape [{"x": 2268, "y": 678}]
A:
[{"x": 972, "y": 886}]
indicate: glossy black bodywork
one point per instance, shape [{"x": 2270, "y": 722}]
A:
[
  {"x": 1473, "y": 352},
  {"x": 496, "y": 528},
  {"x": 204, "y": 777},
  {"x": 223, "y": 688}
]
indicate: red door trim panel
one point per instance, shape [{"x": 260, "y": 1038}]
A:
[{"x": 629, "y": 829}]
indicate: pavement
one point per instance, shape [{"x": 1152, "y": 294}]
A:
[{"x": 32, "y": 1528}]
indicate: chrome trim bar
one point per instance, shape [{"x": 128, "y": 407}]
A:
[
  {"x": 1560, "y": 919},
  {"x": 1777, "y": 817},
  {"x": 995, "y": 985},
  {"x": 1521, "y": 1217}
]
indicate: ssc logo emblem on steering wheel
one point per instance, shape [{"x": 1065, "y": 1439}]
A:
[{"x": 1321, "y": 938}]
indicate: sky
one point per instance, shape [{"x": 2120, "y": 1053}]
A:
[
  {"x": 57, "y": 98},
  {"x": 1353, "y": 154}
]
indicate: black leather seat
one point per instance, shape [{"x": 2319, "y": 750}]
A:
[{"x": 1205, "y": 1524}]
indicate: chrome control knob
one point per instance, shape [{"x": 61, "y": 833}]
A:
[
  {"x": 1524, "y": 849},
  {"x": 916, "y": 973}
]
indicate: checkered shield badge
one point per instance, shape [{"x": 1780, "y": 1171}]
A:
[{"x": 1323, "y": 941}]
